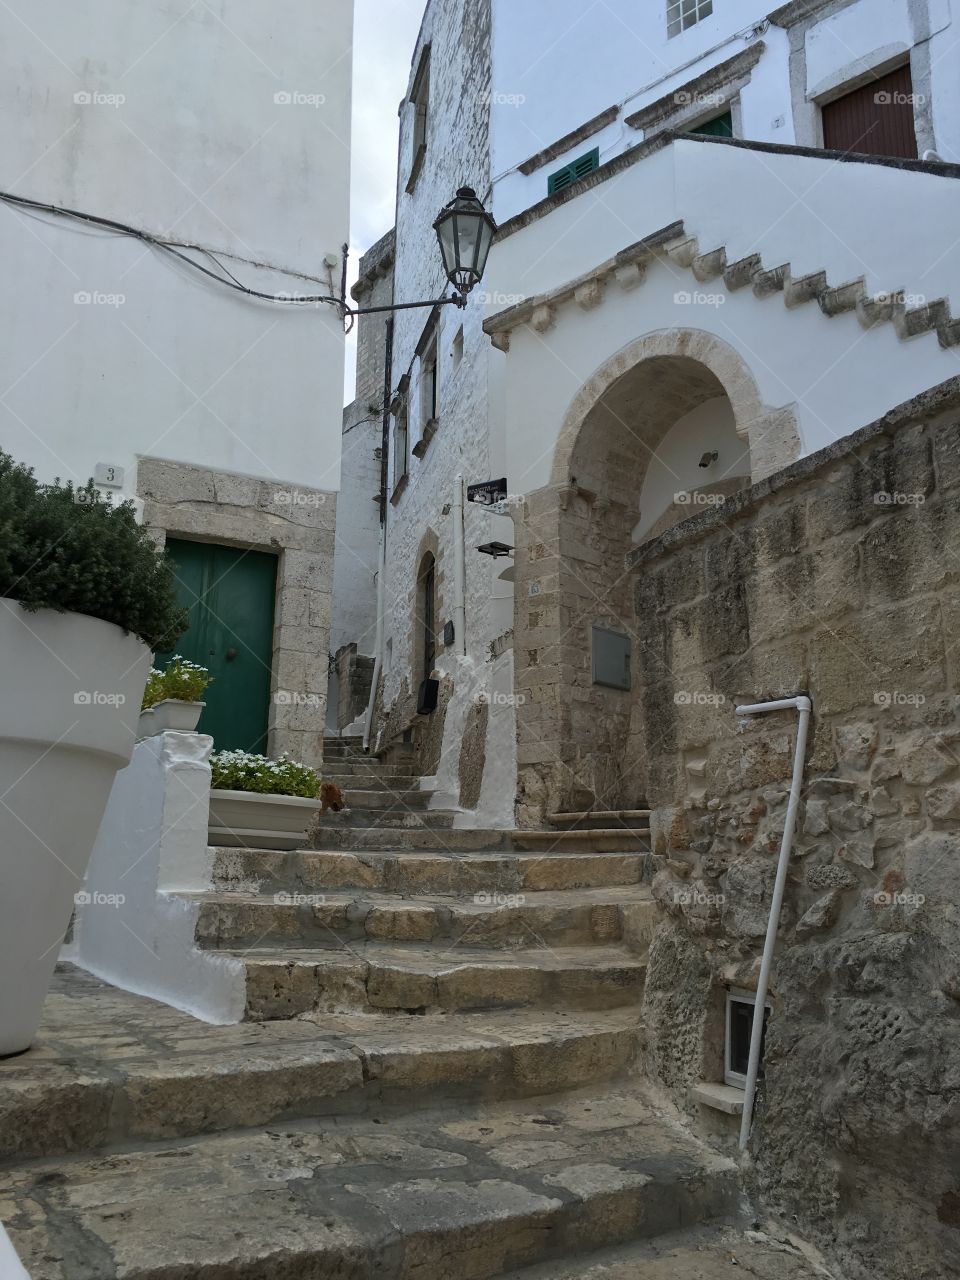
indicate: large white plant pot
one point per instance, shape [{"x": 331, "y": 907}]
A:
[
  {"x": 258, "y": 821},
  {"x": 70, "y": 694}
]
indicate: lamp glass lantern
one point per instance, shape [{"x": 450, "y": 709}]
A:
[{"x": 465, "y": 231}]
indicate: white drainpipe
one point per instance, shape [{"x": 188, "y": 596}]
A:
[
  {"x": 803, "y": 705},
  {"x": 459, "y": 569},
  {"x": 378, "y": 647}
]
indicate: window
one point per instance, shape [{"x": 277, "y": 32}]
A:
[
  {"x": 429, "y": 404},
  {"x": 739, "y": 1028},
  {"x": 428, "y": 386},
  {"x": 875, "y": 120},
  {"x": 682, "y": 14},
  {"x": 611, "y": 658},
  {"x": 718, "y": 127},
  {"x": 420, "y": 104},
  {"x": 457, "y": 351},
  {"x": 570, "y": 173},
  {"x": 400, "y": 448}
]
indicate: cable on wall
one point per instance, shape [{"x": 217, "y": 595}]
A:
[{"x": 174, "y": 248}]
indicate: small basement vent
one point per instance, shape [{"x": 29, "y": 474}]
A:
[
  {"x": 739, "y": 1028},
  {"x": 572, "y": 173},
  {"x": 611, "y": 658}
]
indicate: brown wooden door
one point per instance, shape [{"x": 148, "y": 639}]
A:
[{"x": 875, "y": 120}]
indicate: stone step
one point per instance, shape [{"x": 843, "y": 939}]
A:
[
  {"x": 110, "y": 1069},
  {"x": 401, "y": 799},
  {"x": 571, "y": 917},
  {"x": 398, "y": 839},
  {"x": 587, "y": 839},
  {"x": 699, "y": 1253},
  {"x": 379, "y": 977},
  {"x": 397, "y": 817},
  {"x": 310, "y": 871},
  {"x": 458, "y": 1193},
  {"x": 591, "y": 819},
  {"x": 360, "y": 775}
]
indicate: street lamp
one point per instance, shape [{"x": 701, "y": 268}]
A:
[{"x": 465, "y": 232}]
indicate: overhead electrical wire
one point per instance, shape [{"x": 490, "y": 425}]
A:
[{"x": 174, "y": 248}]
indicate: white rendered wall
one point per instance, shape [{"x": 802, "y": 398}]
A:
[
  {"x": 131, "y": 928},
  {"x": 675, "y": 466},
  {"x": 618, "y": 54},
  {"x": 801, "y": 210},
  {"x": 228, "y": 127}
]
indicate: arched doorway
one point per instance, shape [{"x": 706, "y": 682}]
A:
[
  {"x": 668, "y": 427},
  {"x": 425, "y": 635}
]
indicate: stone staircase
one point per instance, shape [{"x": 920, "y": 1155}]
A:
[{"x": 436, "y": 1077}]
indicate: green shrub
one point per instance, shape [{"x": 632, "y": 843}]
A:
[
  {"x": 72, "y": 550},
  {"x": 180, "y": 678},
  {"x": 241, "y": 771}
]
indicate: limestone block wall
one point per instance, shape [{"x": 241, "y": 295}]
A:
[{"x": 838, "y": 577}]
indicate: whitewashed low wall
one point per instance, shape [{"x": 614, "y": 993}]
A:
[{"x": 131, "y": 928}]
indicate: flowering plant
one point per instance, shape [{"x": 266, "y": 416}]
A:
[
  {"x": 242, "y": 771},
  {"x": 180, "y": 679}
]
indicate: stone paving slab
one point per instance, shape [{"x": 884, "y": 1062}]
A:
[
  {"x": 463, "y": 1193},
  {"x": 110, "y": 1067},
  {"x": 724, "y": 1253}
]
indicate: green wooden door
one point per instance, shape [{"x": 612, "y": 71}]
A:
[{"x": 230, "y": 596}]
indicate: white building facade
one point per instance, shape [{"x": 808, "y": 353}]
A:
[
  {"x": 225, "y": 134},
  {"x": 710, "y": 264}
]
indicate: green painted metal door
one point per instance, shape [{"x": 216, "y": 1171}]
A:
[{"x": 230, "y": 596}]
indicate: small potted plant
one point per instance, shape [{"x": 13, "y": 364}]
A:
[
  {"x": 173, "y": 697},
  {"x": 85, "y": 594},
  {"x": 261, "y": 803}
]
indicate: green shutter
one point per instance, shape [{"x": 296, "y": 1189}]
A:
[
  {"x": 572, "y": 173},
  {"x": 718, "y": 127}
]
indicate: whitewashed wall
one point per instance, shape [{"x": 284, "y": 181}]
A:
[
  {"x": 554, "y": 72},
  {"x": 837, "y": 374},
  {"x": 227, "y": 126}
]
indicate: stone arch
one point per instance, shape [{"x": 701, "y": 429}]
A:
[
  {"x": 577, "y": 737},
  {"x": 772, "y": 434}
]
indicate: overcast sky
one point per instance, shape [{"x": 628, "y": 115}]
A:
[{"x": 384, "y": 34}]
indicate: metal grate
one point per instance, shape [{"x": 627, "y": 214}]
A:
[
  {"x": 682, "y": 14},
  {"x": 571, "y": 173}
]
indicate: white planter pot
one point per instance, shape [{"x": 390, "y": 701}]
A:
[
  {"x": 145, "y": 725},
  {"x": 70, "y": 694},
  {"x": 257, "y": 821},
  {"x": 174, "y": 713}
]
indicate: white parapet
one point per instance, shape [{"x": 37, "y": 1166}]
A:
[{"x": 134, "y": 926}]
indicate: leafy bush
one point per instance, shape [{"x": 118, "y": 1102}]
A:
[
  {"x": 72, "y": 550},
  {"x": 180, "y": 678},
  {"x": 241, "y": 771}
]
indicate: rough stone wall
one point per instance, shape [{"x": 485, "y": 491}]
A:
[
  {"x": 354, "y": 681},
  {"x": 457, "y": 154},
  {"x": 838, "y": 577}
]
